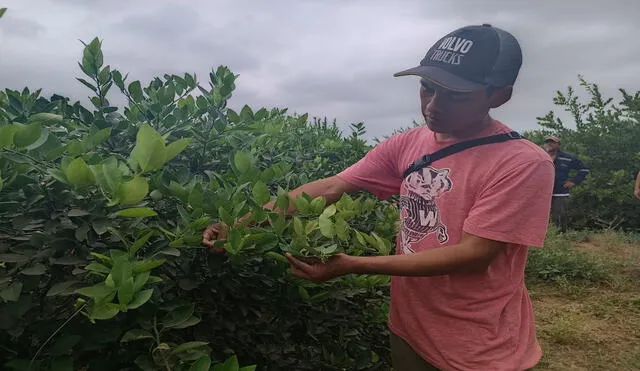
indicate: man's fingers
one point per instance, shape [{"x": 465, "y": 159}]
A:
[
  {"x": 300, "y": 274},
  {"x": 300, "y": 265}
]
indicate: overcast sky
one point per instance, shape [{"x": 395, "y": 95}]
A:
[{"x": 333, "y": 58}]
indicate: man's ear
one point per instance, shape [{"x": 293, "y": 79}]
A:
[{"x": 500, "y": 96}]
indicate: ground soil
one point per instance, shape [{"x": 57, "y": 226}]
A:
[{"x": 595, "y": 326}]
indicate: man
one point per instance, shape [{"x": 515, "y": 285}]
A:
[
  {"x": 458, "y": 299},
  {"x": 636, "y": 190},
  {"x": 564, "y": 163}
]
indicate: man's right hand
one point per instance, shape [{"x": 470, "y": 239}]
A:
[{"x": 215, "y": 233}]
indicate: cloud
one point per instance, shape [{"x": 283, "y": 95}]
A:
[{"x": 330, "y": 58}]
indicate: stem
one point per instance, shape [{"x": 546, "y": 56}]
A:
[
  {"x": 155, "y": 331},
  {"x": 54, "y": 334},
  {"x": 26, "y": 156}
]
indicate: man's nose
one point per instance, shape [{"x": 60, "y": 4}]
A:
[{"x": 436, "y": 103}]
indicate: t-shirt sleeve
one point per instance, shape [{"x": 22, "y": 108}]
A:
[
  {"x": 515, "y": 208},
  {"x": 377, "y": 172}
]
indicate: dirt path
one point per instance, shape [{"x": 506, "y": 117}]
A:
[{"x": 592, "y": 327}]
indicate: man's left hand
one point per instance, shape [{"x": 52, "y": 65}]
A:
[
  {"x": 338, "y": 265},
  {"x": 569, "y": 184}
]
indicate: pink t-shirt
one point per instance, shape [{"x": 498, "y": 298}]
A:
[{"x": 499, "y": 191}]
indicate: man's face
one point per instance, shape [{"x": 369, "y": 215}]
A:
[
  {"x": 550, "y": 146},
  {"x": 446, "y": 111}
]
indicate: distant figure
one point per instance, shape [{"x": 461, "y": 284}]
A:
[
  {"x": 637, "y": 189},
  {"x": 564, "y": 163}
]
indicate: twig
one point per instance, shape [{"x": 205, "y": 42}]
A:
[{"x": 54, "y": 334}]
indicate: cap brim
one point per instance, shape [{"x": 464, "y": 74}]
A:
[{"x": 443, "y": 78}]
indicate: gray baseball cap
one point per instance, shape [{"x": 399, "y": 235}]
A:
[{"x": 471, "y": 58}]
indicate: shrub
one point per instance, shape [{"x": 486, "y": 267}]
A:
[
  {"x": 559, "y": 261},
  {"x": 607, "y": 138},
  {"x": 101, "y": 215}
]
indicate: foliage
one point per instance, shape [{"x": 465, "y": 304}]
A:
[
  {"x": 607, "y": 138},
  {"x": 101, "y": 215},
  {"x": 559, "y": 261}
]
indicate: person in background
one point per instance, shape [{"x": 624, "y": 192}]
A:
[
  {"x": 636, "y": 191},
  {"x": 564, "y": 162}
]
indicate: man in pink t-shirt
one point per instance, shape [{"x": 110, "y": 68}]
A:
[{"x": 458, "y": 298}]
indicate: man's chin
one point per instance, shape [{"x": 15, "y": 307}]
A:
[{"x": 437, "y": 127}]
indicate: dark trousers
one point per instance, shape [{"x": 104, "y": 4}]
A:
[
  {"x": 404, "y": 358},
  {"x": 559, "y": 212}
]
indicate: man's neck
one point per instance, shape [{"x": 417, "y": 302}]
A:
[{"x": 467, "y": 132}]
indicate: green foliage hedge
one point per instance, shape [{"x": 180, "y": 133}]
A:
[
  {"x": 102, "y": 210},
  {"x": 607, "y": 137}
]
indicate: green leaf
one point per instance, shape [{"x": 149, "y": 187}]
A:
[
  {"x": 122, "y": 271},
  {"x": 44, "y": 135},
  {"x": 35, "y": 270},
  {"x": 61, "y": 288},
  {"x": 12, "y": 293},
  {"x": 27, "y": 134},
  {"x": 202, "y": 364},
  {"x": 298, "y": 227},
  {"x": 136, "y": 212},
  {"x": 102, "y": 311},
  {"x": 188, "y": 346},
  {"x": 135, "y": 89},
  {"x": 102, "y": 257},
  {"x": 79, "y": 174},
  {"x": 231, "y": 364},
  {"x": 67, "y": 260},
  {"x": 342, "y": 229},
  {"x": 225, "y": 216},
  {"x": 329, "y": 211},
  {"x": 326, "y": 227},
  {"x": 193, "y": 320},
  {"x": 173, "y": 149},
  {"x": 13, "y": 258},
  {"x": 78, "y": 212},
  {"x": 140, "y": 299},
  {"x": 140, "y": 280},
  {"x": 149, "y": 151},
  {"x": 135, "y": 334},
  {"x": 242, "y": 161},
  {"x": 327, "y": 250},
  {"x": 133, "y": 191},
  {"x": 87, "y": 84},
  {"x": 125, "y": 292},
  {"x": 171, "y": 251},
  {"x": 302, "y": 204},
  {"x": 282, "y": 202},
  {"x": 6, "y": 135},
  {"x": 139, "y": 243},
  {"x": 96, "y": 292},
  {"x": 318, "y": 204},
  {"x": 97, "y": 267},
  {"x": 179, "y": 315},
  {"x": 147, "y": 265},
  {"x": 100, "y": 136},
  {"x": 261, "y": 193},
  {"x": 2, "y": 11}
]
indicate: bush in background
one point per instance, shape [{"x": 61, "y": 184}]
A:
[
  {"x": 101, "y": 214},
  {"x": 607, "y": 138}
]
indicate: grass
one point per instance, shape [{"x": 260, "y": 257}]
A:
[{"x": 586, "y": 293}]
